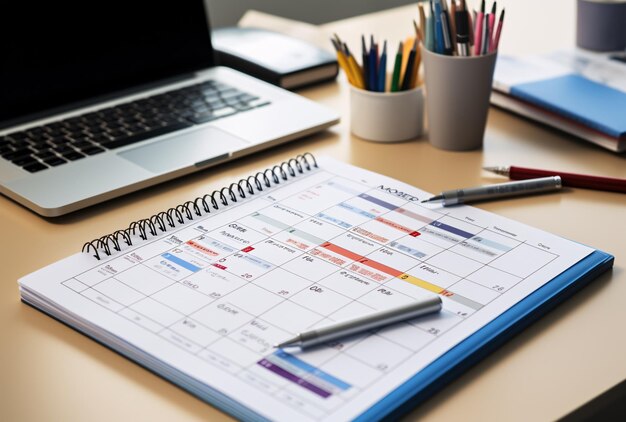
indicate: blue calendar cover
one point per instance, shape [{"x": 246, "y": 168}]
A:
[{"x": 489, "y": 338}]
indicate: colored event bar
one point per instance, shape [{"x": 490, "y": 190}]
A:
[
  {"x": 293, "y": 378},
  {"x": 312, "y": 369},
  {"x": 451, "y": 229},
  {"x": 377, "y": 201},
  {"x": 356, "y": 210},
  {"x": 182, "y": 263}
]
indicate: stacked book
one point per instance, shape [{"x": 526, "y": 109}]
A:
[{"x": 578, "y": 92}]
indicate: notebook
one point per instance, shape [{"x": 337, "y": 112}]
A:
[
  {"x": 579, "y": 92},
  {"x": 274, "y": 57},
  {"x": 200, "y": 293}
]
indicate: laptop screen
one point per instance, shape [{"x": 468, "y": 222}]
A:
[{"x": 54, "y": 53}]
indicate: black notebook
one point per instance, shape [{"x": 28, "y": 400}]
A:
[{"x": 273, "y": 57}]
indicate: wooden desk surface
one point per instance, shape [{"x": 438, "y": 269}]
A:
[{"x": 51, "y": 372}]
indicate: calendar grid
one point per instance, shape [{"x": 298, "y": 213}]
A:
[{"x": 331, "y": 249}]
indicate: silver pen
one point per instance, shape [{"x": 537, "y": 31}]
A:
[
  {"x": 479, "y": 193},
  {"x": 364, "y": 323}
]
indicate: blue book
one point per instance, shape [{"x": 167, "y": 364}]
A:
[
  {"x": 591, "y": 103},
  {"x": 573, "y": 91}
]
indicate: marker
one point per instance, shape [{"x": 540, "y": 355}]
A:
[
  {"x": 462, "y": 33},
  {"x": 446, "y": 31},
  {"x": 479, "y": 193},
  {"x": 364, "y": 323},
  {"x": 469, "y": 21}
]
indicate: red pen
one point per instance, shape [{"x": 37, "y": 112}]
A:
[
  {"x": 496, "y": 40},
  {"x": 478, "y": 30},
  {"x": 568, "y": 179},
  {"x": 490, "y": 33}
]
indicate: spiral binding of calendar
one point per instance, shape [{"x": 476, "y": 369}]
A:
[{"x": 201, "y": 206}]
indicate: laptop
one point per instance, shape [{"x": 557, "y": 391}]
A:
[{"x": 102, "y": 99}]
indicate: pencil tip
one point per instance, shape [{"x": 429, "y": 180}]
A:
[{"x": 503, "y": 171}]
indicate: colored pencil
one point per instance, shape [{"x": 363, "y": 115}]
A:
[
  {"x": 484, "y": 48},
  {"x": 406, "y": 82},
  {"x": 430, "y": 32},
  {"x": 372, "y": 70},
  {"x": 408, "y": 45},
  {"x": 439, "y": 40},
  {"x": 382, "y": 68},
  {"x": 415, "y": 70},
  {"x": 395, "y": 78},
  {"x": 357, "y": 72},
  {"x": 492, "y": 20},
  {"x": 364, "y": 62},
  {"x": 452, "y": 15},
  {"x": 478, "y": 30},
  {"x": 496, "y": 40},
  {"x": 422, "y": 22},
  {"x": 343, "y": 61}
]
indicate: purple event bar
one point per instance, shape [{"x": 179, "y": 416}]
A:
[
  {"x": 451, "y": 229},
  {"x": 378, "y": 201},
  {"x": 293, "y": 378}
]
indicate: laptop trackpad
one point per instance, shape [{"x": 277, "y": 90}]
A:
[{"x": 199, "y": 147}]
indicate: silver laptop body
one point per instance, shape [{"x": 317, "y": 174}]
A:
[{"x": 270, "y": 116}]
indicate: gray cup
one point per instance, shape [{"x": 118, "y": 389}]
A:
[
  {"x": 457, "y": 99},
  {"x": 601, "y": 25}
]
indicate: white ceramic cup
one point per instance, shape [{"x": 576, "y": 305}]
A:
[{"x": 387, "y": 116}]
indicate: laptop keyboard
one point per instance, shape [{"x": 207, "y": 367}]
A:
[{"x": 72, "y": 139}]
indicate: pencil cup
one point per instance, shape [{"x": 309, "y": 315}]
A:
[
  {"x": 457, "y": 99},
  {"x": 387, "y": 116}
]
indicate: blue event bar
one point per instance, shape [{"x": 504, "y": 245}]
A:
[
  {"x": 180, "y": 262},
  {"x": 356, "y": 210},
  {"x": 312, "y": 370},
  {"x": 341, "y": 187},
  {"x": 334, "y": 220},
  {"x": 492, "y": 244}
]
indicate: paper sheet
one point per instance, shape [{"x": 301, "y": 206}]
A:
[{"x": 211, "y": 298}]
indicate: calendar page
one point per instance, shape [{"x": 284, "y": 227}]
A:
[{"x": 209, "y": 299}]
